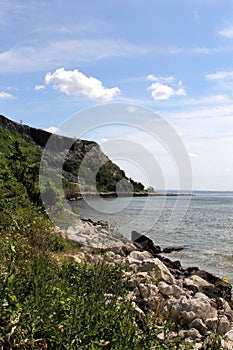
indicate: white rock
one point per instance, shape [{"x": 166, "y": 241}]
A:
[
  {"x": 137, "y": 255},
  {"x": 223, "y": 326},
  {"x": 227, "y": 309},
  {"x": 201, "y": 296},
  {"x": 144, "y": 290},
  {"x": 190, "y": 333},
  {"x": 229, "y": 335},
  {"x": 164, "y": 288},
  {"x": 158, "y": 268},
  {"x": 191, "y": 308},
  {"x": 167, "y": 289},
  {"x": 131, "y": 261},
  {"x": 226, "y": 344},
  {"x": 187, "y": 317}
]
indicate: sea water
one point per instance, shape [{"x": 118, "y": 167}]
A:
[{"x": 202, "y": 224}]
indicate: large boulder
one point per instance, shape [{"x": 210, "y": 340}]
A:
[{"x": 146, "y": 243}]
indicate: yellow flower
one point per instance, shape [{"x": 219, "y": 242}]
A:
[{"x": 225, "y": 280}]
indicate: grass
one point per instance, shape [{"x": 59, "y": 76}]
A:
[{"x": 46, "y": 301}]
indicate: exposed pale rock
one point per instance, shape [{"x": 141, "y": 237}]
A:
[
  {"x": 191, "y": 308},
  {"x": 137, "y": 255},
  {"x": 186, "y": 317},
  {"x": 212, "y": 323},
  {"x": 86, "y": 234},
  {"x": 202, "y": 296},
  {"x": 198, "y": 324},
  {"x": 196, "y": 283},
  {"x": 227, "y": 309},
  {"x": 158, "y": 268},
  {"x": 144, "y": 290},
  {"x": 226, "y": 344},
  {"x": 173, "y": 289},
  {"x": 156, "y": 303},
  {"x": 131, "y": 261},
  {"x": 229, "y": 335},
  {"x": 190, "y": 333},
  {"x": 223, "y": 326},
  {"x": 141, "y": 277},
  {"x": 165, "y": 288}
]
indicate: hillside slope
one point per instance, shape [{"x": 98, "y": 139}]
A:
[{"x": 105, "y": 179}]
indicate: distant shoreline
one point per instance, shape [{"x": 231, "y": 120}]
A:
[{"x": 72, "y": 196}]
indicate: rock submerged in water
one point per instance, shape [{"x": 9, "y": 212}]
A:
[
  {"x": 198, "y": 302},
  {"x": 172, "y": 249}
]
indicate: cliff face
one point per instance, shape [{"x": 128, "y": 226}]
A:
[
  {"x": 40, "y": 137},
  {"x": 74, "y": 152}
]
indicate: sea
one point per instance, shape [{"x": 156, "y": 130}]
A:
[{"x": 202, "y": 223}]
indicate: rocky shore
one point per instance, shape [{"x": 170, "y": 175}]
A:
[
  {"x": 73, "y": 196},
  {"x": 197, "y": 302}
]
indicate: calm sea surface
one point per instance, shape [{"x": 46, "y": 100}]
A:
[{"x": 203, "y": 224}]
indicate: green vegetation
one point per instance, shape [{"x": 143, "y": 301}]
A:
[{"x": 47, "y": 301}]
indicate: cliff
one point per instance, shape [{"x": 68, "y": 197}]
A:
[{"x": 98, "y": 168}]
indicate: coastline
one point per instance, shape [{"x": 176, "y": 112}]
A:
[
  {"x": 197, "y": 302},
  {"x": 72, "y": 196}
]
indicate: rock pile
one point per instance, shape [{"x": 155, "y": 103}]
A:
[{"x": 198, "y": 302}]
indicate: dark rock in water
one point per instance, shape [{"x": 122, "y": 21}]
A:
[
  {"x": 175, "y": 265},
  {"x": 190, "y": 271},
  {"x": 172, "y": 249},
  {"x": 146, "y": 243}
]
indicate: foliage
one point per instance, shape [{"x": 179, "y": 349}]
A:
[{"x": 48, "y": 302}]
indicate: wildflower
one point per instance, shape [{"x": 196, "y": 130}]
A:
[
  {"x": 60, "y": 327},
  {"x": 104, "y": 342},
  {"x": 225, "y": 280},
  {"x": 159, "y": 320}
]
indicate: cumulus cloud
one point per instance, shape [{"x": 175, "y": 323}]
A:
[
  {"x": 73, "y": 82},
  {"x": 53, "y": 130},
  {"x": 163, "y": 88},
  {"x": 5, "y": 95}
]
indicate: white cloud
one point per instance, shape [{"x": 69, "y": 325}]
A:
[
  {"x": 227, "y": 32},
  {"x": 163, "y": 88},
  {"x": 73, "y": 82},
  {"x": 152, "y": 77},
  {"x": 39, "y": 87},
  {"x": 53, "y": 130},
  {"x": 132, "y": 109},
  {"x": 219, "y": 75},
  {"x": 5, "y": 95},
  {"x": 64, "y": 52}
]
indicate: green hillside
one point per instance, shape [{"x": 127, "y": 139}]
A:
[{"x": 48, "y": 302}]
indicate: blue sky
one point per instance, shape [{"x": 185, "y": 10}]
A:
[{"x": 172, "y": 56}]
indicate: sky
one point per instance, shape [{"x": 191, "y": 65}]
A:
[{"x": 173, "y": 57}]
